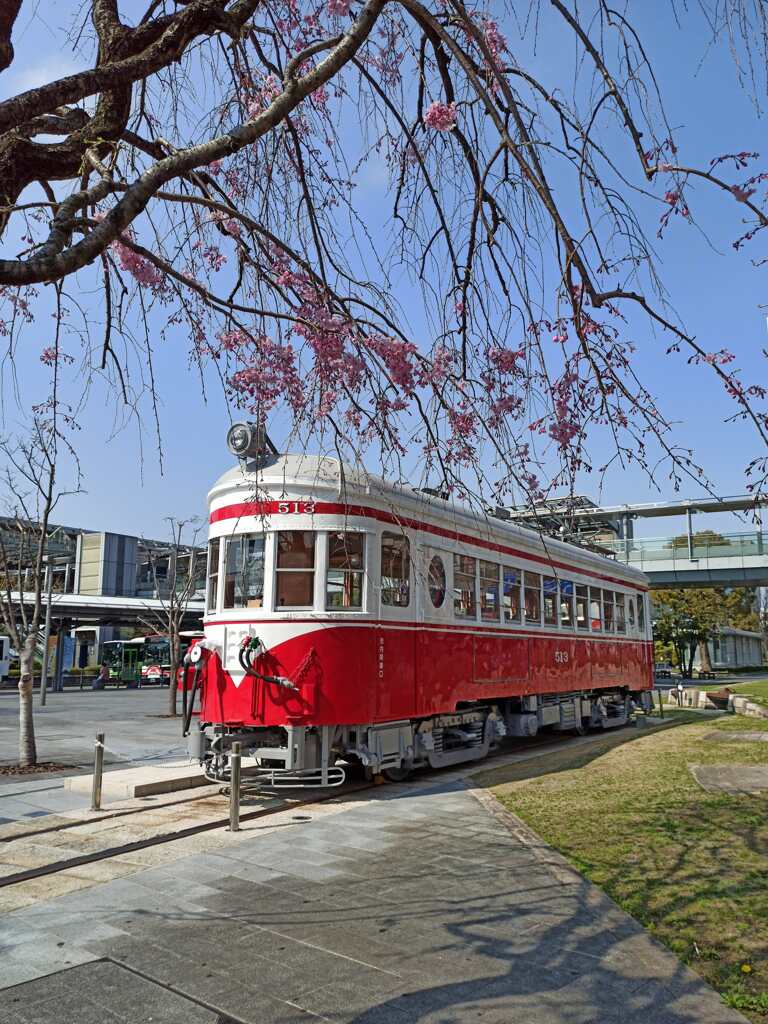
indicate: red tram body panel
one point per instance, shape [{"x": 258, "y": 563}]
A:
[{"x": 348, "y": 618}]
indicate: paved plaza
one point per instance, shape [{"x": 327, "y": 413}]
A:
[
  {"x": 136, "y": 733},
  {"x": 416, "y": 903}
]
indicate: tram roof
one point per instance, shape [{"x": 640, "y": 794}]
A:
[{"x": 354, "y": 484}]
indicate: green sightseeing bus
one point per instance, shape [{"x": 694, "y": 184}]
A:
[{"x": 143, "y": 659}]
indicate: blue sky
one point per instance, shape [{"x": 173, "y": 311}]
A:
[{"x": 717, "y": 292}]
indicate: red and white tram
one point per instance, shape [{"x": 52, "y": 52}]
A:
[{"x": 349, "y": 620}]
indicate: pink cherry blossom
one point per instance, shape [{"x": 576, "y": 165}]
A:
[
  {"x": 398, "y": 358},
  {"x": 232, "y": 227},
  {"x": 440, "y": 116},
  {"x": 338, "y": 8},
  {"x": 504, "y": 360},
  {"x": 145, "y": 273}
]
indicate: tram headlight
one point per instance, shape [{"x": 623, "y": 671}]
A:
[
  {"x": 240, "y": 438},
  {"x": 250, "y": 441}
]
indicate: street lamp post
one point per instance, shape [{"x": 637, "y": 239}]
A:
[
  {"x": 50, "y": 562},
  {"x": 46, "y": 636}
]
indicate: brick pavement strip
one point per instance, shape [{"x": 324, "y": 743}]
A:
[{"x": 426, "y": 903}]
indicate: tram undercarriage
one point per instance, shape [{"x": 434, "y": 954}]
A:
[{"x": 318, "y": 756}]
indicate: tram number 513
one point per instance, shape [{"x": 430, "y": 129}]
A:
[
  {"x": 561, "y": 657},
  {"x": 301, "y": 507}
]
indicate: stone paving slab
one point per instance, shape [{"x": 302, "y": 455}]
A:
[
  {"x": 731, "y": 778},
  {"x": 727, "y": 736},
  {"x": 426, "y": 903},
  {"x": 145, "y": 780}
]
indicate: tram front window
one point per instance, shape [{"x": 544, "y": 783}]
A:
[
  {"x": 244, "y": 571},
  {"x": 344, "y": 583},
  {"x": 295, "y": 571},
  {"x": 213, "y": 575}
]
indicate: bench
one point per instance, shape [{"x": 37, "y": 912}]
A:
[{"x": 720, "y": 698}]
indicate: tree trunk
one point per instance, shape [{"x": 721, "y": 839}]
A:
[
  {"x": 27, "y": 748},
  {"x": 690, "y": 660},
  {"x": 706, "y": 662},
  {"x": 173, "y": 686},
  {"x": 680, "y": 651}
]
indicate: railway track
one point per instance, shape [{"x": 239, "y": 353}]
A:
[{"x": 133, "y": 815}]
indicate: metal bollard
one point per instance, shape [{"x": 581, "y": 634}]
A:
[
  {"x": 234, "y": 790},
  {"x": 98, "y": 768},
  {"x": 661, "y": 703}
]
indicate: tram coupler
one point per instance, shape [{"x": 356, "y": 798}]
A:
[{"x": 197, "y": 743}]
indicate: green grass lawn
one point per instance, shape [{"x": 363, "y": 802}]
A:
[{"x": 691, "y": 866}]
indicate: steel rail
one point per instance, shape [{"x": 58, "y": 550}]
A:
[
  {"x": 165, "y": 837},
  {"x": 56, "y": 867}
]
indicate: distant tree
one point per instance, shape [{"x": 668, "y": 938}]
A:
[
  {"x": 743, "y": 608},
  {"x": 174, "y": 587},
  {"x": 687, "y": 619},
  {"x": 700, "y": 538},
  {"x": 29, "y": 479}
]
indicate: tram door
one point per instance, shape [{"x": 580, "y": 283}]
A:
[
  {"x": 440, "y": 658},
  {"x": 395, "y": 633}
]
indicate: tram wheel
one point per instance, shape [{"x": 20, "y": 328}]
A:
[{"x": 398, "y": 774}]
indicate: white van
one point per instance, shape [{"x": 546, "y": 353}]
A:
[{"x": 5, "y": 657}]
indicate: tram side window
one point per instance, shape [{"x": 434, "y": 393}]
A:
[
  {"x": 550, "y": 601},
  {"x": 621, "y": 620},
  {"x": 566, "y": 603},
  {"x": 244, "y": 571},
  {"x": 641, "y": 613},
  {"x": 595, "y": 610},
  {"x": 344, "y": 582},
  {"x": 608, "y": 616},
  {"x": 489, "y": 591},
  {"x": 464, "y": 589},
  {"x": 213, "y": 575},
  {"x": 295, "y": 570},
  {"x": 436, "y": 582},
  {"x": 582, "y": 607},
  {"x": 512, "y": 604},
  {"x": 631, "y": 612},
  {"x": 532, "y": 596},
  {"x": 395, "y": 570}
]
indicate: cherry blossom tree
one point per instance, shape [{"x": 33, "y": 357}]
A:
[{"x": 202, "y": 171}]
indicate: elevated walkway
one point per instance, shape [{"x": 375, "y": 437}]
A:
[{"x": 712, "y": 560}]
